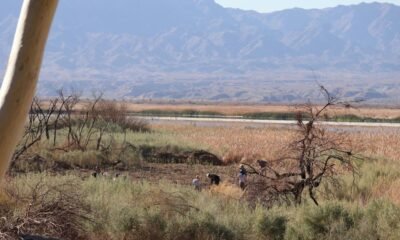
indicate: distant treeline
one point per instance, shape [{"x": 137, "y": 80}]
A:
[
  {"x": 336, "y": 118},
  {"x": 183, "y": 113},
  {"x": 259, "y": 115}
]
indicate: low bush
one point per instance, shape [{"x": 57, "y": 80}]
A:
[
  {"x": 329, "y": 220},
  {"x": 206, "y": 229},
  {"x": 272, "y": 227},
  {"x": 379, "y": 220}
]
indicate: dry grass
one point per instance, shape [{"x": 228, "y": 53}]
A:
[
  {"x": 379, "y": 145},
  {"x": 228, "y": 190},
  {"x": 245, "y": 144},
  {"x": 378, "y": 142},
  {"x": 248, "y": 144}
]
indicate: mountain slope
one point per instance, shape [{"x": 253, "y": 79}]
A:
[{"x": 197, "y": 49}]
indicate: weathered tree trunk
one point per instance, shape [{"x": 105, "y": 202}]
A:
[{"x": 22, "y": 72}]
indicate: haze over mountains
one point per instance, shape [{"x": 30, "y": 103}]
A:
[{"x": 196, "y": 49}]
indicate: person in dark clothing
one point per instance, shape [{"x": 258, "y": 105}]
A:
[
  {"x": 242, "y": 170},
  {"x": 242, "y": 176},
  {"x": 215, "y": 179},
  {"x": 96, "y": 172},
  {"x": 263, "y": 166},
  {"x": 242, "y": 181}
]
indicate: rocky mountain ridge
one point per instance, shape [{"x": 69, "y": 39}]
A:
[{"x": 196, "y": 49}]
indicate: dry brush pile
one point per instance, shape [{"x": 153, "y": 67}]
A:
[{"x": 55, "y": 209}]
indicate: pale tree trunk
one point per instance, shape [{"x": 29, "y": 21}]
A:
[{"x": 22, "y": 73}]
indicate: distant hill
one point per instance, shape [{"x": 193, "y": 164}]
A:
[{"x": 196, "y": 49}]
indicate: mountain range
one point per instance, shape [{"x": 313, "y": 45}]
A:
[{"x": 199, "y": 50}]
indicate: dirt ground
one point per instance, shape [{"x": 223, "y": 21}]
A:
[{"x": 181, "y": 174}]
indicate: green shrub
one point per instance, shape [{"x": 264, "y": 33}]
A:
[
  {"x": 380, "y": 220},
  {"x": 330, "y": 221},
  {"x": 271, "y": 115},
  {"x": 88, "y": 159},
  {"x": 273, "y": 227},
  {"x": 153, "y": 227},
  {"x": 127, "y": 222},
  {"x": 206, "y": 229}
]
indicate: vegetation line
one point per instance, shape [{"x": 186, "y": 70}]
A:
[{"x": 259, "y": 116}]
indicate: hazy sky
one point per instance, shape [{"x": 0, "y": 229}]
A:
[{"x": 274, "y": 5}]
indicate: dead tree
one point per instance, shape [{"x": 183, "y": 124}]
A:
[
  {"x": 32, "y": 134},
  {"x": 44, "y": 111},
  {"x": 313, "y": 156},
  {"x": 80, "y": 122},
  {"x": 39, "y": 121},
  {"x": 88, "y": 124},
  {"x": 62, "y": 101},
  {"x": 69, "y": 104}
]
